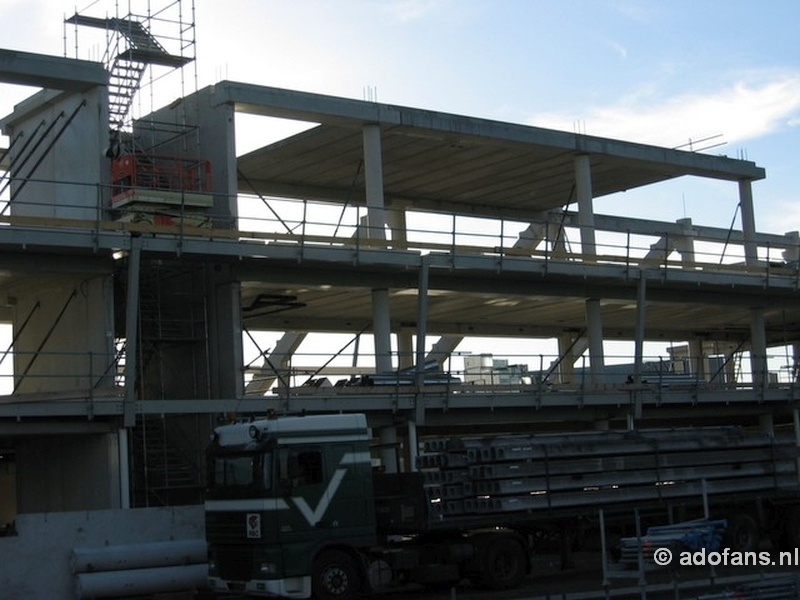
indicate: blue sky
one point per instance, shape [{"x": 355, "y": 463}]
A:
[{"x": 643, "y": 70}]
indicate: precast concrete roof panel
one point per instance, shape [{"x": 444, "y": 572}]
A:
[{"x": 439, "y": 161}]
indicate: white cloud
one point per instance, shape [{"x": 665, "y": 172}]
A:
[
  {"x": 746, "y": 109},
  {"x": 618, "y": 48}
]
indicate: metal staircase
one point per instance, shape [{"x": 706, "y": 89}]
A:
[
  {"x": 164, "y": 472},
  {"x": 125, "y": 77},
  {"x": 131, "y": 50}
]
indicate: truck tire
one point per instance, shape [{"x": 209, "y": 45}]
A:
[
  {"x": 504, "y": 565},
  {"x": 742, "y": 533},
  {"x": 335, "y": 576}
]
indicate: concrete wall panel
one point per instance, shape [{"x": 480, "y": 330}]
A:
[
  {"x": 68, "y": 136},
  {"x": 70, "y": 353},
  {"x": 67, "y": 472}
]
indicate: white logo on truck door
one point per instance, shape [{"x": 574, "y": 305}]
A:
[{"x": 315, "y": 516}]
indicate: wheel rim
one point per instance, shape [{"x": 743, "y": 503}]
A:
[{"x": 335, "y": 580}]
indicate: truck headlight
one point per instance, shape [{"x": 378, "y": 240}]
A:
[{"x": 267, "y": 568}]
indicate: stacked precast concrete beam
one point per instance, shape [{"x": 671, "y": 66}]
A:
[{"x": 540, "y": 473}]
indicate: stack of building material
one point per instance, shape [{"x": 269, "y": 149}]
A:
[
  {"x": 138, "y": 569},
  {"x": 468, "y": 476},
  {"x": 701, "y": 534}
]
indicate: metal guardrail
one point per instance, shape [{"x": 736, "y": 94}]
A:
[
  {"x": 778, "y": 588},
  {"x": 623, "y": 241}
]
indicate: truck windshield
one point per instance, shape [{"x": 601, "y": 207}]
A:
[{"x": 252, "y": 470}]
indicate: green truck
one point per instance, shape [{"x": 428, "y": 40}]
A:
[{"x": 296, "y": 506}]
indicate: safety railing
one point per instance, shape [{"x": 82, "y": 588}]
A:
[
  {"x": 642, "y": 244},
  {"x": 476, "y": 372},
  {"x": 69, "y": 375}
]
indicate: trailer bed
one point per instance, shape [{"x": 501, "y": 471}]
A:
[{"x": 473, "y": 483}]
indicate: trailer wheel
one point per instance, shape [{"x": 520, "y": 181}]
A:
[
  {"x": 335, "y": 576},
  {"x": 742, "y": 534},
  {"x": 503, "y": 564}
]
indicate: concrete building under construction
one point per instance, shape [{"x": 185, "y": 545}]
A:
[{"x": 139, "y": 253}]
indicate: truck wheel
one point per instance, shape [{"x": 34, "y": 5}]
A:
[
  {"x": 503, "y": 565},
  {"x": 335, "y": 576},
  {"x": 742, "y": 534}
]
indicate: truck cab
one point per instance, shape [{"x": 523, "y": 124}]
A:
[{"x": 283, "y": 495}]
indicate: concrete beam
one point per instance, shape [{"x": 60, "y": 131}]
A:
[
  {"x": 51, "y": 72},
  {"x": 304, "y": 106}
]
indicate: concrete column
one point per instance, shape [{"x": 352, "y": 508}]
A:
[
  {"x": 405, "y": 349},
  {"x": 373, "y": 175},
  {"x": 388, "y": 441},
  {"x": 792, "y": 252},
  {"x": 373, "y": 180},
  {"x": 413, "y": 446},
  {"x": 748, "y": 223},
  {"x": 583, "y": 191},
  {"x": 730, "y": 369},
  {"x": 396, "y": 220},
  {"x": 382, "y": 330},
  {"x": 639, "y": 329},
  {"x": 758, "y": 348},
  {"x": 422, "y": 333},
  {"x": 124, "y": 469},
  {"x": 132, "y": 332},
  {"x": 697, "y": 359},
  {"x": 685, "y": 244},
  {"x": 796, "y": 421},
  {"x": 594, "y": 324},
  {"x": 568, "y": 349},
  {"x": 225, "y": 333},
  {"x": 795, "y": 377},
  {"x": 766, "y": 423}
]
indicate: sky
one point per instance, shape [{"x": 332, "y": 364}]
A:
[{"x": 666, "y": 73}]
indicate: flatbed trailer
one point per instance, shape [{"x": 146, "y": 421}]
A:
[{"x": 295, "y": 507}]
